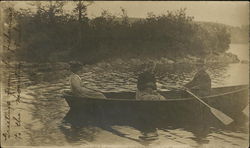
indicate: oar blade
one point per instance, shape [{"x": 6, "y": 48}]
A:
[{"x": 221, "y": 116}]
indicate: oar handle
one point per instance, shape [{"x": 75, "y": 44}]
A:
[{"x": 187, "y": 90}]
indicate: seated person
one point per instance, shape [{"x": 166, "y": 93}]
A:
[
  {"x": 146, "y": 87},
  {"x": 75, "y": 84},
  {"x": 201, "y": 82}
]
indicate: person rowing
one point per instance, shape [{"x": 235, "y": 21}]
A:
[
  {"x": 201, "y": 85},
  {"x": 146, "y": 84},
  {"x": 76, "y": 84},
  {"x": 201, "y": 82}
]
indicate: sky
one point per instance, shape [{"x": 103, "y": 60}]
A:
[{"x": 235, "y": 13}]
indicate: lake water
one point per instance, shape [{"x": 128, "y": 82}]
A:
[{"x": 43, "y": 109}]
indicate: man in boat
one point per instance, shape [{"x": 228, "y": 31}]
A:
[
  {"x": 76, "y": 87},
  {"x": 201, "y": 82},
  {"x": 146, "y": 84}
]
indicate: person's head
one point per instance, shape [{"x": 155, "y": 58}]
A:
[
  {"x": 201, "y": 64},
  {"x": 150, "y": 66},
  {"x": 75, "y": 67}
]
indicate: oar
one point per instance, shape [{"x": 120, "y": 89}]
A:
[{"x": 218, "y": 114}]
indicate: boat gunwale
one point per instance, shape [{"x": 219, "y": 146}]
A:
[{"x": 177, "y": 99}]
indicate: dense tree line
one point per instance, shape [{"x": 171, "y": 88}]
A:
[{"x": 52, "y": 34}]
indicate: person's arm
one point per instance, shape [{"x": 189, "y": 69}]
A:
[
  {"x": 84, "y": 92},
  {"x": 193, "y": 84},
  {"x": 190, "y": 84},
  {"x": 201, "y": 80},
  {"x": 194, "y": 87}
]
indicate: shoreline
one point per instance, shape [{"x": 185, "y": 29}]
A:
[{"x": 225, "y": 58}]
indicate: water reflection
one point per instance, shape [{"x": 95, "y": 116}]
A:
[{"x": 86, "y": 128}]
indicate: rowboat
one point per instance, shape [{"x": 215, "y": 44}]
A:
[{"x": 178, "y": 107}]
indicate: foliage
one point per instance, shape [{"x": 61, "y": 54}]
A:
[{"x": 51, "y": 34}]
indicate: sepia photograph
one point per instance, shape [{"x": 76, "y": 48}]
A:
[{"x": 124, "y": 74}]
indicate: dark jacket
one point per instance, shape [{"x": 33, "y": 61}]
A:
[
  {"x": 201, "y": 83},
  {"x": 144, "y": 78}
]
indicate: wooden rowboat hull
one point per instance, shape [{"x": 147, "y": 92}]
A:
[{"x": 179, "y": 107}]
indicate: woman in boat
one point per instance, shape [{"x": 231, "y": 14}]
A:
[
  {"x": 146, "y": 85},
  {"x": 76, "y": 87},
  {"x": 201, "y": 83}
]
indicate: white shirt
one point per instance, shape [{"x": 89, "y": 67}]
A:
[
  {"x": 75, "y": 83},
  {"x": 77, "y": 89}
]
